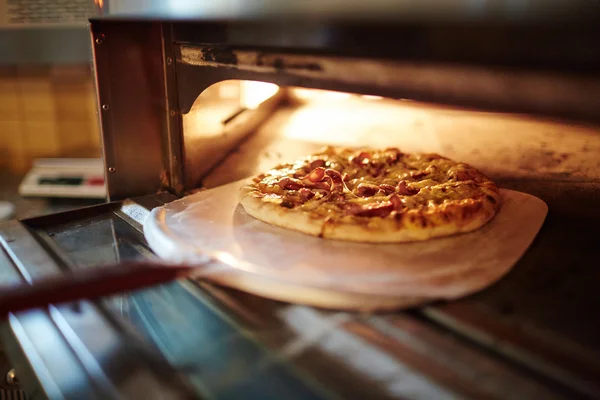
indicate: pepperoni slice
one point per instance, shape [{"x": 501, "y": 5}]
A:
[
  {"x": 316, "y": 175},
  {"x": 362, "y": 158},
  {"x": 406, "y": 190},
  {"x": 317, "y": 163},
  {"x": 393, "y": 154},
  {"x": 337, "y": 183},
  {"x": 290, "y": 184},
  {"x": 306, "y": 194},
  {"x": 366, "y": 190},
  {"x": 387, "y": 189}
]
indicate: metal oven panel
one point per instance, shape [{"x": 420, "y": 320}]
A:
[
  {"x": 157, "y": 343},
  {"x": 187, "y": 340},
  {"x": 133, "y": 111},
  {"x": 149, "y": 74}
]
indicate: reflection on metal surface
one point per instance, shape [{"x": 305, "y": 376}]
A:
[
  {"x": 214, "y": 354},
  {"x": 387, "y": 372},
  {"x": 91, "y": 364},
  {"x": 379, "y": 10},
  {"x": 218, "y": 356},
  {"x": 25, "y": 253},
  {"x": 100, "y": 241},
  {"x": 11, "y": 378}
]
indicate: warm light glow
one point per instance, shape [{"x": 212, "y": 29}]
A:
[
  {"x": 317, "y": 95},
  {"x": 303, "y": 94},
  {"x": 253, "y": 94},
  {"x": 357, "y": 120},
  {"x": 229, "y": 89},
  {"x": 335, "y": 95},
  {"x": 99, "y": 3},
  {"x": 368, "y": 97}
]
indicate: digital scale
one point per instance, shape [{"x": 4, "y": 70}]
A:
[{"x": 65, "y": 178}]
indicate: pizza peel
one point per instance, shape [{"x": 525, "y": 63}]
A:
[
  {"x": 285, "y": 265},
  {"x": 209, "y": 236},
  {"x": 108, "y": 280}
]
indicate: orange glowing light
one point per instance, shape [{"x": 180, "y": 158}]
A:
[
  {"x": 368, "y": 97},
  {"x": 254, "y": 94},
  {"x": 319, "y": 95}
]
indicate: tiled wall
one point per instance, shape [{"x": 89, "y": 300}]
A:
[{"x": 46, "y": 112}]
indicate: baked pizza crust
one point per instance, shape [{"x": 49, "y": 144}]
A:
[{"x": 416, "y": 223}]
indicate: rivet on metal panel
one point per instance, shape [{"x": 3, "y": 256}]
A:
[
  {"x": 169, "y": 61},
  {"x": 100, "y": 38},
  {"x": 105, "y": 107},
  {"x": 173, "y": 113},
  {"x": 11, "y": 378},
  {"x": 112, "y": 169}
]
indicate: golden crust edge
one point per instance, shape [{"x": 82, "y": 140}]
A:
[
  {"x": 386, "y": 230},
  {"x": 276, "y": 215}
]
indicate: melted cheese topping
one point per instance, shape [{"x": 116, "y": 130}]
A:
[{"x": 371, "y": 179}]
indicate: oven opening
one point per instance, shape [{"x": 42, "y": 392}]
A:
[{"x": 237, "y": 129}]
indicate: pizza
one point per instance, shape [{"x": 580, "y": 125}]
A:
[{"x": 372, "y": 195}]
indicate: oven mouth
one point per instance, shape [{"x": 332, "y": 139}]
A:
[{"x": 237, "y": 129}]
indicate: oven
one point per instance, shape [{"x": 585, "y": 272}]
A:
[{"x": 191, "y": 102}]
